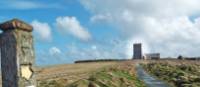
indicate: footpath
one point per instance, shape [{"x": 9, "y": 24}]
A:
[{"x": 149, "y": 80}]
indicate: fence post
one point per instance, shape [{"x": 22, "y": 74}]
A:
[{"x": 17, "y": 54}]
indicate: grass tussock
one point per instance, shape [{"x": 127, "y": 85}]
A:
[
  {"x": 177, "y": 73},
  {"x": 120, "y": 75}
]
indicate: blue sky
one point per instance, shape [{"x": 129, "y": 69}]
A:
[
  {"x": 69, "y": 30},
  {"x": 59, "y": 43}
]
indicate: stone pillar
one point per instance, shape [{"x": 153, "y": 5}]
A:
[{"x": 17, "y": 54}]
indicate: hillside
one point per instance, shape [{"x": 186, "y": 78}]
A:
[
  {"x": 100, "y": 74},
  {"x": 68, "y": 73},
  {"x": 146, "y": 73}
]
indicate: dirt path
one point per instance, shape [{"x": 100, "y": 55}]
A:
[{"x": 149, "y": 80}]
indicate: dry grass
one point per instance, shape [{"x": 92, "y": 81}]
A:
[
  {"x": 69, "y": 73},
  {"x": 121, "y": 75}
]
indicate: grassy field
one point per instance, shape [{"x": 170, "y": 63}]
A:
[
  {"x": 121, "y": 75},
  {"x": 68, "y": 73},
  {"x": 101, "y": 74},
  {"x": 95, "y": 74},
  {"x": 179, "y": 73}
]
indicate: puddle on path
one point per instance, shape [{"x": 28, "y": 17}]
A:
[{"x": 149, "y": 80}]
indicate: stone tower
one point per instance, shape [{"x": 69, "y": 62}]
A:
[
  {"x": 17, "y": 54},
  {"x": 137, "y": 51}
]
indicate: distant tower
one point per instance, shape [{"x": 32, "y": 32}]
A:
[{"x": 137, "y": 51}]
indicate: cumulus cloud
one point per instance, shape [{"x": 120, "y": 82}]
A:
[
  {"x": 94, "y": 51},
  {"x": 53, "y": 55},
  {"x": 42, "y": 30},
  {"x": 163, "y": 26},
  {"x": 72, "y": 26}
]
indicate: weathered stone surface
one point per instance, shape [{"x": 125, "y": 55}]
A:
[
  {"x": 17, "y": 54},
  {"x": 8, "y": 60},
  {"x": 15, "y": 24},
  {"x": 25, "y": 48}
]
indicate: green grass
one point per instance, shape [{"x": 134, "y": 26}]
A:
[
  {"x": 121, "y": 75},
  {"x": 112, "y": 78},
  {"x": 178, "y": 75}
]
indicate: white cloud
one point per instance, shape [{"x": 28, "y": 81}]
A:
[
  {"x": 164, "y": 25},
  {"x": 94, "y": 51},
  {"x": 54, "y": 51},
  {"x": 24, "y": 5},
  {"x": 72, "y": 26},
  {"x": 51, "y": 56},
  {"x": 197, "y": 22},
  {"x": 94, "y": 47},
  {"x": 42, "y": 30},
  {"x": 127, "y": 16},
  {"x": 100, "y": 17}
]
